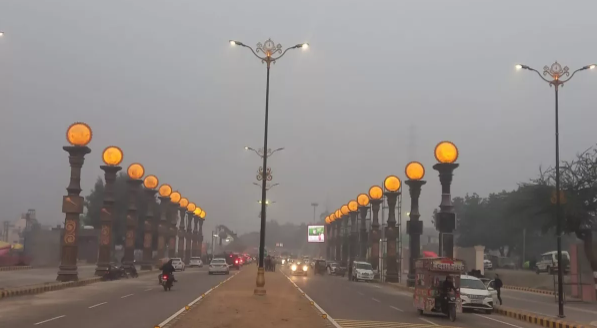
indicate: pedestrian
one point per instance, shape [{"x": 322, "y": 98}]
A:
[{"x": 498, "y": 286}]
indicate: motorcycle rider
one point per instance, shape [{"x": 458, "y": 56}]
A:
[
  {"x": 168, "y": 269},
  {"x": 445, "y": 289}
]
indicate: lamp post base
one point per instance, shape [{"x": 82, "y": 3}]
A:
[
  {"x": 260, "y": 282},
  {"x": 67, "y": 273}
]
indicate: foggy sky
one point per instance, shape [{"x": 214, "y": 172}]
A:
[{"x": 381, "y": 84}]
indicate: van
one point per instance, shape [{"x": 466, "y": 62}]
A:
[{"x": 548, "y": 262}]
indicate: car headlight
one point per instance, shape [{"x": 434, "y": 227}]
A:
[
  {"x": 294, "y": 267},
  {"x": 305, "y": 268},
  {"x": 282, "y": 261}
]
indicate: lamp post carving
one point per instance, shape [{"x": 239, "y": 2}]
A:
[
  {"x": 375, "y": 194},
  {"x": 446, "y": 154},
  {"x": 557, "y": 72},
  {"x": 415, "y": 172},
  {"x": 112, "y": 157},
  {"x": 150, "y": 183},
  {"x": 363, "y": 201},
  {"x": 392, "y": 184},
  {"x": 135, "y": 172},
  {"x": 269, "y": 49},
  {"x": 78, "y": 135},
  {"x": 175, "y": 198},
  {"x": 163, "y": 225}
]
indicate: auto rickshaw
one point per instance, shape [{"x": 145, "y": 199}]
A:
[
  {"x": 320, "y": 267},
  {"x": 430, "y": 273}
]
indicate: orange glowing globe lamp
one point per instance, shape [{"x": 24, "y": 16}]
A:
[
  {"x": 135, "y": 171},
  {"x": 363, "y": 200},
  {"x": 79, "y": 134},
  {"x": 415, "y": 171},
  {"x": 191, "y": 207},
  {"x": 345, "y": 209},
  {"x": 150, "y": 182},
  {"x": 446, "y": 152},
  {"x": 202, "y": 215},
  {"x": 112, "y": 155},
  {"x": 353, "y": 206},
  {"x": 392, "y": 183},
  {"x": 175, "y": 197},
  {"x": 165, "y": 190},
  {"x": 197, "y": 211},
  {"x": 183, "y": 202}
]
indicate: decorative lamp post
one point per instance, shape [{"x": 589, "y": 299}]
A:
[
  {"x": 195, "y": 250},
  {"x": 175, "y": 198},
  {"x": 190, "y": 208},
  {"x": 202, "y": 216},
  {"x": 163, "y": 225},
  {"x": 78, "y": 135},
  {"x": 392, "y": 184},
  {"x": 269, "y": 49},
  {"x": 363, "y": 201},
  {"x": 353, "y": 237},
  {"x": 415, "y": 173},
  {"x": 135, "y": 172},
  {"x": 375, "y": 194},
  {"x": 183, "y": 203},
  {"x": 557, "y": 72},
  {"x": 446, "y": 154},
  {"x": 328, "y": 236},
  {"x": 339, "y": 235},
  {"x": 346, "y": 233},
  {"x": 112, "y": 156},
  {"x": 150, "y": 183}
]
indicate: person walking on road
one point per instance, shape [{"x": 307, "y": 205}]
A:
[{"x": 498, "y": 286}]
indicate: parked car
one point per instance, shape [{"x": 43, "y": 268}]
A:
[
  {"x": 195, "y": 262},
  {"x": 218, "y": 266},
  {"x": 549, "y": 263},
  {"x": 335, "y": 269},
  {"x": 489, "y": 283},
  {"x": 362, "y": 271},
  {"x": 487, "y": 265},
  {"x": 475, "y": 295},
  {"x": 178, "y": 264}
]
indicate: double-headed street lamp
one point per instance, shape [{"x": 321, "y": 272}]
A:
[
  {"x": 261, "y": 153},
  {"x": 556, "y": 73},
  {"x": 269, "y": 49}
]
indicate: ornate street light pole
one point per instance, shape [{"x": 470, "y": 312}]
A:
[
  {"x": 328, "y": 236},
  {"x": 346, "y": 234},
  {"x": 415, "y": 172},
  {"x": 190, "y": 208},
  {"x": 364, "y": 201},
  {"x": 202, "y": 216},
  {"x": 260, "y": 152},
  {"x": 353, "y": 239},
  {"x": 446, "y": 154},
  {"x": 269, "y": 49},
  {"x": 557, "y": 72},
  {"x": 150, "y": 183},
  {"x": 183, "y": 203},
  {"x": 196, "y": 250},
  {"x": 392, "y": 184},
  {"x": 135, "y": 172},
  {"x": 175, "y": 198},
  {"x": 163, "y": 225},
  {"x": 112, "y": 156},
  {"x": 375, "y": 194},
  {"x": 339, "y": 237},
  {"x": 78, "y": 135}
]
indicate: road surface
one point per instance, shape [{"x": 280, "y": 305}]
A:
[
  {"x": 130, "y": 303},
  {"x": 360, "y": 304},
  {"x": 19, "y": 278}
]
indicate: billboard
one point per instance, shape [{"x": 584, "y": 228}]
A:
[{"x": 315, "y": 234}]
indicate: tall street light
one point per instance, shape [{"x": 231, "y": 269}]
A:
[
  {"x": 556, "y": 73},
  {"x": 375, "y": 194},
  {"x": 150, "y": 183},
  {"x": 261, "y": 153},
  {"x": 364, "y": 201},
  {"x": 183, "y": 203},
  {"x": 415, "y": 173},
  {"x": 78, "y": 135},
  {"x": 446, "y": 154},
  {"x": 112, "y": 157},
  {"x": 175, "y": 198},
  {"x": 338, "y": 236},
  {"x": 346, "y": 251},
  {"x": 190, "y": 208},
  {"x": 314, "y": 206},
  {"x": 269, "y": 49},
  {"x": 328, "y": 236},
  {"x": 354, "y": 253},
  {"x": 202, "y": 216},
  {"x": 392, "y": 184},
  {"x": 135, "y": 172},
  {"x": 163, "y": 225}
]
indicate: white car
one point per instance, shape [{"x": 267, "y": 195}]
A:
[
  {"x": 178, "y": 264},
  {"x": 195, "y": 262},
  {"x": 475, "y": 295},
  {"x": 487, "y": 265},
  {"x": 218, "y": 265},
  {"x": 362, "y": 271}
]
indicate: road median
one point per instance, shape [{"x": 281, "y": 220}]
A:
[
  {"x": 234, "y": 305},
  {"x": 540, "y": 320},
  {"x": 14, "y": 268}
]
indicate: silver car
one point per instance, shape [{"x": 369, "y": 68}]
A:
[
  {"x": 195, "y": 262},
  {"x": 218, "y": 266},
  {"x": 178, "y": 264}
]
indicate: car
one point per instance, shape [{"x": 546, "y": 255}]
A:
[
  {"x": 487, "y": 265},
  {"x": 362, "y": 271},
  {"x": 335, "y": 269},
  {"x": 549, "y": 263},
  {"x": 475, "y": 295},
  {"x": 490, "y": 285},
  {"x": 196, "y": 262},
  {"x": 178, "y": 264},
  {"x": 218, "y": 266},
  {"x": 299, "y": 268}
]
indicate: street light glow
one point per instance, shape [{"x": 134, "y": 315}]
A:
[
  {"x": 518, "y": 66},
  {"x": 592, "y": 66},
  {"x": 1, "y": 33},
  {"x": 233, "y": 43},
  {"x": 305, "y": 45}
]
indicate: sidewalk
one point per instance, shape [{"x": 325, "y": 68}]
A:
[{"x": 234, "y": 305}]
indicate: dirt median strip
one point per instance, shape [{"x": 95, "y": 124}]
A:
[{"x": 234, "y": 305}]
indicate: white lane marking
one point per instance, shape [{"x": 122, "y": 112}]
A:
[
  {"x": 58, "y": 317},
  {"x": 147, "y": 290},
  {"x": 375, "y": 300},
  {"x": 395, "y": 308},
  {"x": 506, "y": 323},
  {"x": 127, "y": 296},
  {"x": 91, "y": 307},
  {"x": 360, "y": 293},
  {"x": 428, "y": 321}
]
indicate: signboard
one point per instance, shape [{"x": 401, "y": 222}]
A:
[{"x": 315, "y": 234}]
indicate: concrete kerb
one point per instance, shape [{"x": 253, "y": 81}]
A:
[
  {"x": 519, "y": 315},
  {"x": 531, "y": 290},
  {"x": 312, "y": 302},
  {"x": 14, "y": 268},
  {"x": 188, "y": 307},
  {"x": 38, "y": 289}
]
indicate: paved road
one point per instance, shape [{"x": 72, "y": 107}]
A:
[
  {"x": 126, "y": 303},
  {"x": 20, "y": 278},
  {"x": 359, "y": 304}
]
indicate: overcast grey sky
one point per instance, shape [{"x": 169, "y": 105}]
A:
[{"x": 382, "y": 83}]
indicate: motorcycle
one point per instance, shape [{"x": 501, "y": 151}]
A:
[
  {"x": 447, "y": 306},
  {"x": 166, "y": 282},
  {"x": 132, "y": 271}
]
